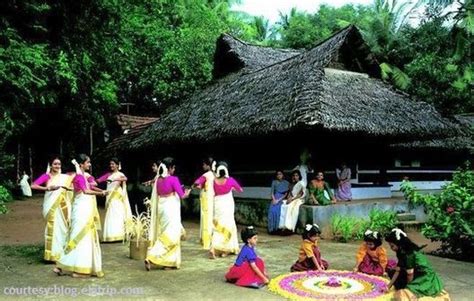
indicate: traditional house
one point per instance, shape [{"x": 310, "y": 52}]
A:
[{"x": 266, "y": 105}]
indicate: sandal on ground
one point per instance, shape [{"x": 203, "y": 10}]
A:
[
  {"x": 147, "y": 265},
  {"x": 58, "y": 271}
]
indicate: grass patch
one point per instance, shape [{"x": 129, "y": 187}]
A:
[{"x": 30, "y": 253}]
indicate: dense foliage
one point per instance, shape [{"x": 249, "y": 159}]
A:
[
  {"x": 66, "y": 66},
  {"x": 450, "y": 213},
  {"x": 5, "y": 197}
]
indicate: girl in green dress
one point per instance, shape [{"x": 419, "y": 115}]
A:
[
  {"x": 413, "y": 276},
  {"x": 319, "y": 191}
]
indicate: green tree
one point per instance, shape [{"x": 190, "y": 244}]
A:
[{"x": 303, "y": 30}]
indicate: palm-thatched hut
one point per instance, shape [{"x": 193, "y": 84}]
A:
[{"x": 266, "y": 105}]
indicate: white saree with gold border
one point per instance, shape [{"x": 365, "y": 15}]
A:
[
  {"x": 82, "y": 253},
  {"x": 117, "y": 209},
  {"x": 224, "y": 234},
  {"x": 57, "y": 213},
  {"x": 289, "y": 212},
  {"x": 206, "y": 198},
  {"x": 165, "y": 246}
]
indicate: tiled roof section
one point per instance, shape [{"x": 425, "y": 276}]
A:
[{"x": 127, "y": 122}]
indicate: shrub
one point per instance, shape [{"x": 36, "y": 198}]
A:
[
  {"x": 346, "y": 228},
  {"x": 382, "y": 221},
  {"x": 5, "y": 196},
  {"x": 450, "y": 214}
]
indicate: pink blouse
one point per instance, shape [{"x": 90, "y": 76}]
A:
[
  {"x": 168, "y": 185},
  {"x": 103, "y": 178},
  {"x": 200, "y": 181},
  {"x": 42, "y": 179},
  {"x": 91, "y": 180},
  {"x": 227, "y": 186},
  {"x": 79, "y": 183}
]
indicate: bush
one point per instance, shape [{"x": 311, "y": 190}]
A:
[
  {"x": 450, "y": 214},
  {"x": 5, "y": 196},
  {"x": 382, "y": 221},
  {"x": 346, "y": 228}
]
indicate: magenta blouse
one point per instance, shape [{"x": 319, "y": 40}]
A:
[
  {"x": 79, "y": 183},
  {"x": 103, "y": 178},
  {"x": 168, "y": 185},
  {"x": 200, "y": 181},
  {"x": 42, "y": 179},
  {"x": 91, "y": 180},
  {"x": 227, "y": 186}
]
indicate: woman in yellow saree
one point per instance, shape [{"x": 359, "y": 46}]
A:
[
  {"x": 56, "y": 208},
  {"x": 82, "y": 255},
  {"x": 153, "y": 204},
  {"x": 224, "y": 235},
  {"x": 117, "y": 206},
  {"x": 206, "y": 184},
  {"x": 165, "y": 248}
]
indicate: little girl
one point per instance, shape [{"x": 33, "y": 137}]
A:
[
  {"x": 413, "y": 277},
  {"x": 248, "y": 270},
  {"x": 372, "y": 257},
  {"x": 309, "y": 256}
]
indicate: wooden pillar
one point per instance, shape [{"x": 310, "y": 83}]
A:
[
  {"x": 91, "y": 140},
  {"x": 18, "y": 161},
  {"x": 30, "y": 162}
]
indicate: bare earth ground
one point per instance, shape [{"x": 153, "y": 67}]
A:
[{"x": 198, "y": 279}]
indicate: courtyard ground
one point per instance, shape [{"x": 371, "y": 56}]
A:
[{"x": 21, "y": 238}]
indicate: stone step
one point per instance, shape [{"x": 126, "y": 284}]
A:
[
  {"x": 410, "y": 225},
  {"x": 405, "y": 217}
]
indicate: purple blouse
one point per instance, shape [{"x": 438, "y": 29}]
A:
[
  {"x": 247, "y": 253},
  {"x": 220, "y": 189},
  {"x": 170, "y": 184}
]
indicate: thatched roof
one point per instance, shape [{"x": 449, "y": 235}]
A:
[
  {"x": 303, "y": 91},
  {"x": 233, "y": 55},
  {"x": 463, "y": 142}
]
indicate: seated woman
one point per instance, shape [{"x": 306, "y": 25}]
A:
[
  {"x": 291, "y": 206},
  {"x": 343, "y": 175},
  {"x": 319, "y": 191},
  {"x": 279, "y": 191}
]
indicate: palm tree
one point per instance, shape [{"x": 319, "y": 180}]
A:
[
  {"x": 463, "y": 28},
  {"x": 383, "y": 34},
  {"x": 262, "y": 27}
]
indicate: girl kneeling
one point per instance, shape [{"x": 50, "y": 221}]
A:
[{"x": 249, "y": 269}]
